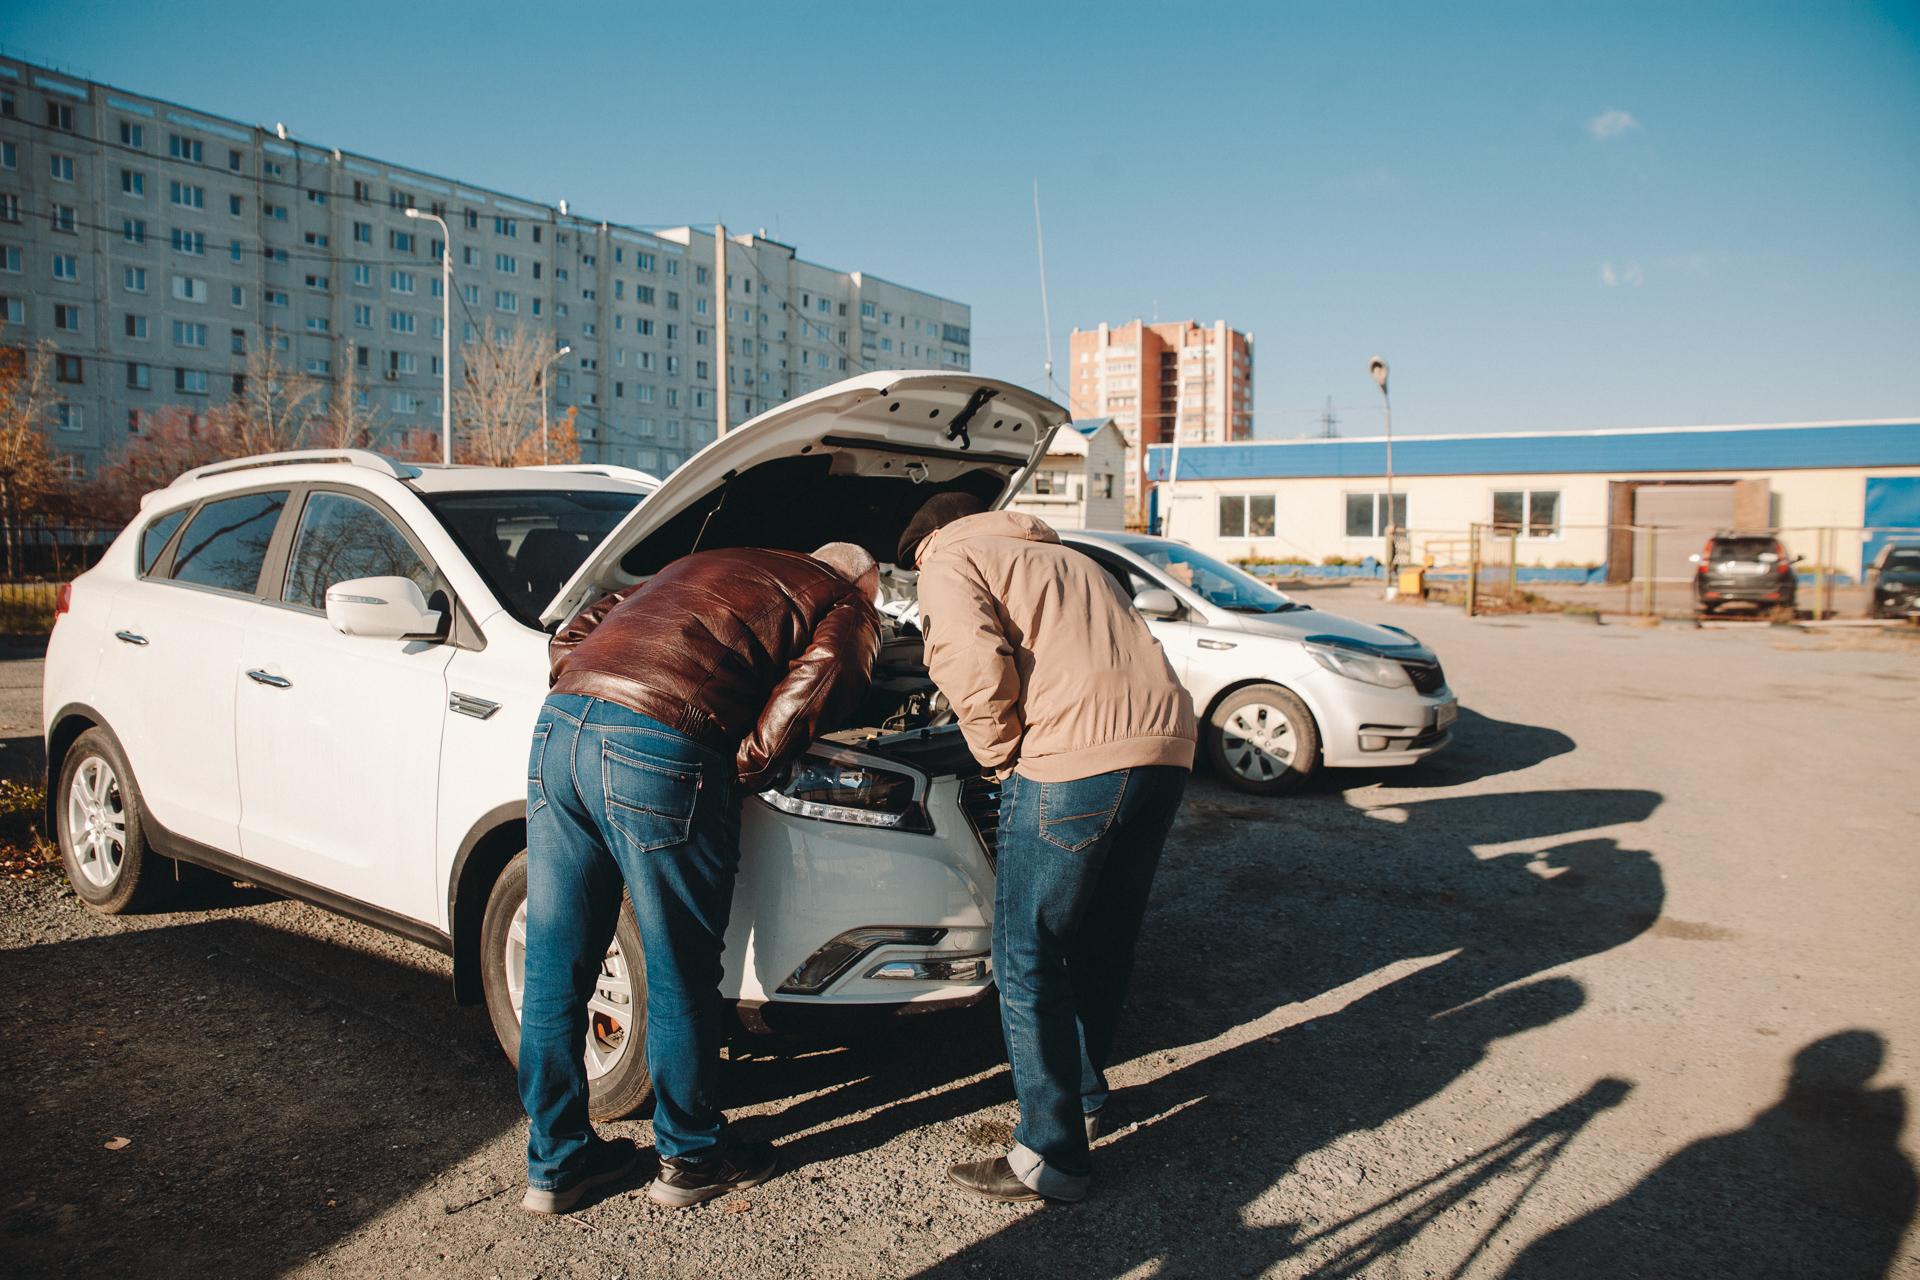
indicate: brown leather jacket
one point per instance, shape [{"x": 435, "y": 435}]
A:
[{"x": 745, "y": 650}]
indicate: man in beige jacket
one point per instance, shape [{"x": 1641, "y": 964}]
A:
[{"x": 1065, "y": 696}]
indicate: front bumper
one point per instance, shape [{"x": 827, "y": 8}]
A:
[
  {"x": 826, "y": 913},
  {"x": 1365, "y": 726}
]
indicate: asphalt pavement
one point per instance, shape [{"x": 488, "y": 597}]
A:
[{"x": 1622, "y": 984}]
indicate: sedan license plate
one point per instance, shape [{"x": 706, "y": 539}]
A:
[{"x": 1445, "y": 714}]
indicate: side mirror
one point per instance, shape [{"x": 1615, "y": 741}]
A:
[
  {"x": 381, "y": 609},
  {"x": 1157, "y": 602}
]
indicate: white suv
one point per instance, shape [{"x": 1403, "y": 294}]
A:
[{"x": 319, "y": 672}]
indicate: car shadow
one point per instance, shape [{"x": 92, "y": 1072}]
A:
[
  {"x": 1482, "y": 747},
  {"x": 275, "y": 1092},
  {"x": 1816, "y": 1184}
]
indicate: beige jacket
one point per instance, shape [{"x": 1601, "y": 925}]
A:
[{"x": 1047, "y": 664}]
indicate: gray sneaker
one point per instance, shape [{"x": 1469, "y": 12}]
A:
[{"x": 609, "y": 1160}]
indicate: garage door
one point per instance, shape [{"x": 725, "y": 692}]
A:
[{"x": 1686, "y": 515}]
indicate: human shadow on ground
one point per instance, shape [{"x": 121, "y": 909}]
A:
[
  {"x": 1815, "y": 1185},
  {"x": 278, "y": 1092},
  {"x": 1246, "y": 925}
]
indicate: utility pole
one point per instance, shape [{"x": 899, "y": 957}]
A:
[
  {"x": 446, "y": 332},
  {"x": 1328, "y": 421},
  {"x": 1378, "y": 368},
  {"x": 721, "y": 369}
]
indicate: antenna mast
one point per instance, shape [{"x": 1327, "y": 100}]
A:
[{"x": 1040, "y": 244}]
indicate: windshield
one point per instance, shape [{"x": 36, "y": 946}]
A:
[
  {"x": 1903, "y": 560},
  {"x": 526, "y": 543},
  {"x": 1222, "y": 585}
]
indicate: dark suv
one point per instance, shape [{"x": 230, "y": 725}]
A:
[
  {"x": 1745, "y": 569},
  {"x": 1893, "y": 584}
]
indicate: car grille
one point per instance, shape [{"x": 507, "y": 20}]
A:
[
  {"x": 980, "y": 801},
  {"x": 1427, "y": 679}
]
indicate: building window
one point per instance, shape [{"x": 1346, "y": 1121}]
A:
[
  {"x": 68, "y": 417},
  {"x": 506, "y": 227},
  {"x": 400, "y": 281},
  {"x": 13, "y": 310},
  {"x": 139, "y": 377},
  {"x": 274, "y": 297},
  {"x": 186, "y": 195},
  {"x": 193, "y": 243},
  {"x": 136, "y": 328},
  {"x": 133, "y": 183},
  {"x": 191, "y": 382},
  {"x": 66, "y": 317},
  {"x": 401, "y": 241},
  {"x": 1531, "y": 513},
  {"x": 363, "y": 316},
  {"x": 400, "y": 321},
  {"x": 188, "y": 334},
  {"x": 69, "y": 369},
  {"x": 1244, "y": 515},
  {"x": 504, "y": 301},
  {"x": 65, "y": 219},
  {"x": 9, "y": 155},
  {"x": 275, "y": 212},
  {"x": 66, "y": 266},
  {"x": 238, "y": 296},
  {"x": 237, "y": 341},
  {"x": 506, "y": 262},
  {"x": 1367, "y": 514},
  {"x": 133, "y": 135}
]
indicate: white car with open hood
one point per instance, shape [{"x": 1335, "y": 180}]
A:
[{"x": 319, "y": 672}]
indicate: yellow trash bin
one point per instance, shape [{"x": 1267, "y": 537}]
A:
[{"x": 1413, "y": 581}]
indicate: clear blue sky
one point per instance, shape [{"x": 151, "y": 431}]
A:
[{"x": 1544, "y": 215}]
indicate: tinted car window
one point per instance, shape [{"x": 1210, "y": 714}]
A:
[
  {"x": 153, "y": 539},
  {"x": 226, "y": 542},
  {"x": 1903, "y": 560},
  {"x": 342, "y": 538},
  {"x": 526, "y": 543},
  {"x": 1742, "y": 548}
]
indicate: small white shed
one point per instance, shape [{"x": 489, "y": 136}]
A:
[{"x": 1081, "y": 482}]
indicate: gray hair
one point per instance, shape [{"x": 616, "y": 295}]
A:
[{"x": 849, "y": 560}]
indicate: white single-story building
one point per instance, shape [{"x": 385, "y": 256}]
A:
[
  {"x": 1569, "y": 497},
  {"x": 1081, "y": 482}
]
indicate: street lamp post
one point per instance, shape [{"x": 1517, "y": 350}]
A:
[
  {"x": 1378, "y": 368},
  {"x": 543, "y": 399},
  {"x": 446, "y": 332}
]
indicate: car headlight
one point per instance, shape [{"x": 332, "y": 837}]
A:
[
  {"x": 1366, "y": 667},
  {"x": 853, "y": 792}
]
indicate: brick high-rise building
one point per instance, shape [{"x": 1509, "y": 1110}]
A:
[{"x": 1154, "y": 379}]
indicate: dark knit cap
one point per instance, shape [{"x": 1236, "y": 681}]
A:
[{"x": 939, "y": 510}]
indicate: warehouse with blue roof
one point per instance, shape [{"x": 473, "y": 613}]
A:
[{"x": 1566, "y": 497}]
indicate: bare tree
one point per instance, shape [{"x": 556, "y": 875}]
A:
[
  {"x": 345, "y": 423},
  {"x": 497, "y": 405},
  {"x": 27, "y": 472},
  {"x": 271, "y": 409}
]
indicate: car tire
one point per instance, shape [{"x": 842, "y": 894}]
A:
[
  {"x": 618, "y": 1083},
  {"x": 102, "y": 837},
  {"x": 1262, "y": 740}
]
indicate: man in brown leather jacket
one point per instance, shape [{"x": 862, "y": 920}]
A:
[{"x": 670, "y": 701}]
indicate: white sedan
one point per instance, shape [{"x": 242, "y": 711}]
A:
[{"x": 1280, "y": 687}]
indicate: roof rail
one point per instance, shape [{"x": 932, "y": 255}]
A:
[
  {"x": 606, "y": 469},
  {"x": 295, "y": 457}
]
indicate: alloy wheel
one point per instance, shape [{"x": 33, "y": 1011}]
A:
[{"x": 97, "y": 822}]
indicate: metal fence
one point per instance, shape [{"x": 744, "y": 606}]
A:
[
  {"x": 1651, "y": 570},
  {"x": 50, "y": 550}
]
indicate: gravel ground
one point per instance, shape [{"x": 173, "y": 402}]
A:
[{"x": 1621, "y": 985}]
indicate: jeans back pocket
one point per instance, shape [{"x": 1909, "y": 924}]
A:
[
  {"x": 1073, "y": 815},
  {"x": 536, "y": 784},
  {"x": 650, "y": 799}
]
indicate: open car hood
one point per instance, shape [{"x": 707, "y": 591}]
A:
[{"x": 847, "y": 463}]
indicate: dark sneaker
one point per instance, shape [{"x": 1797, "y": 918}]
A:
[
  {"x": 684, "y": 1183},
  {"x": 609, "y": 1160},
  {"x": 993, "y": 1179}
]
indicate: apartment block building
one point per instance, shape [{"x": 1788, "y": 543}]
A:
[
  {"x": 1155, "y": 379},
  {"x": 155, "y": 245}
]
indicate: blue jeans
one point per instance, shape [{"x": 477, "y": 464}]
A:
[
  {"x": 1076, "y": 863},
  {"x": 613, "y": 799}
]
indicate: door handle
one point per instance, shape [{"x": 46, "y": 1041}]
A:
[
  {"x": 268, "y": 678},
  {"x": 129, "y": 637}
]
